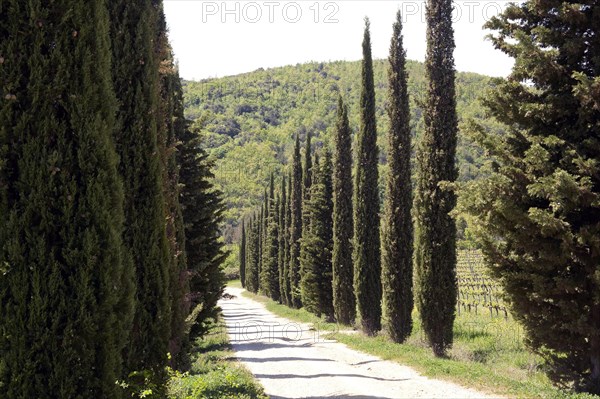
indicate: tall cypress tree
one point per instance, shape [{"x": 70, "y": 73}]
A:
[
  {"x": 536, "y": 211},
  {"x": 310, "y": 247},
  {"x": 252, "y": 264},
  {"x": 307, "y": 165},
  {"x": 287, "y": 251},
  {"x": 317, "y": 243},
  {"x": 65, "y": 282},
  {"x": 367, "y": 253},
  {"x": 203, "y": 211},
  {"x": 295, "y": 228},
  {"x": 269, "y": 273},
  {"x": 435, "y": 231},
  {"x": 272, "y": 281},
  {"x": 243, "y": 256},
  {"x": 282, "y": 238},
  {"x": 343, "y": 291},
  {"x": 136, "y": 79},
  {"x": 171, "y": 125},
  {"x": 397, "y": 227},
  {"x": 261, "y": 217},
  {"x": 266, "y": 262}
]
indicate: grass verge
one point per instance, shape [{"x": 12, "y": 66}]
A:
[
  {"x": 214, "y": 373},
  {"x": 488, "y": 353}
]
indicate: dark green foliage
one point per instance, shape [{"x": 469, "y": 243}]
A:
[
  {"x": 243, "y": 256},
  {"x": 435, "y": 231},
  {"x": 281, "y": 224},
  {"x": 202, "y": 211},
  {"x": 397, "y": 230},
  {"x": 272, "y": 282},
  {"x": 343, "y": 290},
  {"x": 261, "y": 241},
  {"x": 269, "y": 272},
  {"x": 66, "y": 295},
  {"x": 537, "y": 212},
  {"x": 317, "y": 243},
  {"x": 171, "y": 125},
  {"x": 287, "y": 256},
  {"x": 295, "y": 228},
  {"x": 307, "y": 175},
  {"x": 367, "y": 252},
  {"x": 252, "y": 276},
  {"x": 135, "y": 68}
]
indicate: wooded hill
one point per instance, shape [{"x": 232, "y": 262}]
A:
[{"x": 249, "y": 120}]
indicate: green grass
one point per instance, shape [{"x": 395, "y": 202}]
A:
[
  {"x": 488, "y": 353},
  {"x": 214, "y": 373},
  {"x": 234, "y": 283}
]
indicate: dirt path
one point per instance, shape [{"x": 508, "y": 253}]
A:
[{"x": 291, "y": 361}]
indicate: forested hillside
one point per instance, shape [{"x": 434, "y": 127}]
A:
[{"x": 249, "y": 120}]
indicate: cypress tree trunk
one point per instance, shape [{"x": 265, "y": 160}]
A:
[
  {"x": 435, "y": 231},
  {"x": 398, "y": 230},
  {"x": 343, "y": 292},
  {"x": 242, "y": 259},
  {"x": 367, "y": 255},
  {"x": 65, "y": 282},
  {"x": 296, "y": 228}
]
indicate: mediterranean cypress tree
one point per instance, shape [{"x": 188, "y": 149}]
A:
[
  {"x": 252, "y": 264},
  {"x": 295, "y": 228},
  {"x": 66, "y": 296},
  {"x": 287, "y": 256},
  {"x": 203, "y": 211},
  {"x": 367, "y": 252},
  {"x": 343, "y": 292},
  {"x": 282, "y": 238},
  {"x": 435, "y": 231},
  {"x": 242, "y": 260},
  {"x": 269, "y": 250},
  {"x": 310, "y": 247},
  {"x": 306, "y": 173},
  {"x": 397, "y": 227},
  {"x": 136, "y": 80},
  {"x": 272, "y": 280},
  {"x": 260, "y": 222},
  {"x": 171, "y": 125},
  {"x": 537, "y": 210},
  {"x": 317, "y": 243}
]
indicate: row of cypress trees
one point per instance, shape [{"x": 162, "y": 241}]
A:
[
  {"x": 334, "y": 258},
  {"x": 109, "y": 249}
]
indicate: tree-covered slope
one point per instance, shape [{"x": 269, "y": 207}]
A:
[{"x": 250, "y": 120}]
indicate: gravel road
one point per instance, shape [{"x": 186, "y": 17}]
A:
[{"x": 292, "y": 361}]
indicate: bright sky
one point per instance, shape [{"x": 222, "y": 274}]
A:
[{"x": 220, "y": 38}]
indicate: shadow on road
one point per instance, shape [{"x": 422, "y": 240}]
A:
[
  {"x": 335, "y": 397},
  {"x": 280, "y": 359},
  {"x": 291, "y": 376}
]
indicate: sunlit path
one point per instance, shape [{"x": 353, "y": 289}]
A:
[{"x": 291, "y": 360}]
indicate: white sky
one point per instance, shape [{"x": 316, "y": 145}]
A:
[{"x": 220, "y": 38}]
